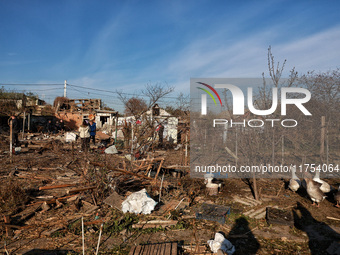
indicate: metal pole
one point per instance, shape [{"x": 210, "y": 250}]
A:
[
  {"x": 65, "y": 83},
  {"x": 82, "y": 234},
  {"x": 23, "y": 126},
  {"x": 100, "y": 234},
  {"x": 131, "y": 140},
  {"x": 29, "y": 122},
  {"x": 186, "y": 148},
  {"x": 236, "y": 146},
  {"x": 11, "y": 140},
  {"x": 116, "y": 123},
  {"x": 322, "y": 139}
]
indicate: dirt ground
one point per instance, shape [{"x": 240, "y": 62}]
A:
[{"x": 38, "y": 220}]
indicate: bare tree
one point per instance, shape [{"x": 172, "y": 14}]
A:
[
  {"x": 135, "y": 107},
  {"x": 152, "y": 92}
]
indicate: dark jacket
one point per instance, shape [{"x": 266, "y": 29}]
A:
[
  {"x": 15, "y": 125},
  {"x": 93, "y": 128}
]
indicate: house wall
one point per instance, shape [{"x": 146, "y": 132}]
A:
[
  {"x": 110, "y": 119},
  {"x": 172, "y": 129},
  {"x": 72, "y": 120}
]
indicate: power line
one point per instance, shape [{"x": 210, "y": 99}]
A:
[
  {"x": 30, "y": 90},
  {"x": 113, "y": 92},
  {"x": 30, "y": 84}
]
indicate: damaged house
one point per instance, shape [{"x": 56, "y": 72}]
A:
[
  {"x": 156, "y": 115},
  {"x": 74, "y": 111}
]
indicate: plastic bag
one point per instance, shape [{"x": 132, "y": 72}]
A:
[{"x": 139, "y": 202}]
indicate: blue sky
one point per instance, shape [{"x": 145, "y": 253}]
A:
[{"x": 123, "y": 45}]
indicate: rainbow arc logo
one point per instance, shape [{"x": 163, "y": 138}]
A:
[{"x": 204, "y": 97}]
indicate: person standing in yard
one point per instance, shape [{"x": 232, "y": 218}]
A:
[
  {"x": 50, "y": 128},
  {"x": 93, "y": 129},
  {"x": 15, "y": 130},
  {"x": 84, "y": 134},
  {"x": 160, "y": 134},
  {"x": 62, "y": 125}
]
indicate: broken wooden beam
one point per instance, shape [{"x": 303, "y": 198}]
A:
[
  {"x": 159, "y": 169},
  {"x": 155, "y": 223},
  {"x": 7, "y": 220},
  {"x": 332, "y": 218},
  {"x": 120, "y": 170},
  {"x": 71, "y": 191},
  {"x": 58, "y": 186},
  {"x": 53, "y": 201}
]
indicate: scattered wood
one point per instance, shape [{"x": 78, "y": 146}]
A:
[
  {"x": 45, "y": 206},
  {"x": 257, "y": 212},
  {"x": 114, "y": 200},
  {"x": 58, "y": 186},
  {"x": 51, "y": 231},
  {"x": 253, "y": 201},
  {"x": 72, "y": 191},
  {"x": 26, "y": 213},
  {"x": 241, "y": 201},
  {"x": 175, "y": 167},
  {"x": 155, "y": 223},
  {"x": 159, "y": 168},
  {"x": 7, "y": 220},
  {"x": 249, "y": 212},
  {"x": 279, "y": 216},
  {"x": 9, "y": 226},
  {"x": 332, "y": 218},
  {"x": 44, "y": 197},
  {"x": 158, "y": 248},
  {"x": 121, "y": 170},
  {"x": 53, "y": 201}
]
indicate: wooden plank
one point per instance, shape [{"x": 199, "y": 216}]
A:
[
  {"x": 147, "y": 249},
  {"x": 50, "y": 232},
  {"x": 138, "y": 250},
  {"x": 162, "y": 249},
  {"x": 57, "y": 186},
  {"x": 159, "y": 169},
  {"x": 155, "y": 250},
  {"x": 7, "y": 220},
  {"x": 53, "y": 201},
  {"x": 174, "y": 249},
  {"x": 71, "y": 191},
  {"x": 168, "y": 249},
  {"x": 155, "y": 223},
  {"x": 132, "y": 251},
  {"x": 120, "y": 170}
]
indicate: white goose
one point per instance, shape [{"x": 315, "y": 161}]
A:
[
  {"x": 325, "y": 187},
  {"x": 294, "y": 183},
  {"x": 313, "y": 190}
]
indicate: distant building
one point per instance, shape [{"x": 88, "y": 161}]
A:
[
  {"x": 74, "y": 111},
  {"x": 157, "y": 115}
]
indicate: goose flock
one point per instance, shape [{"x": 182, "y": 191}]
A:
[{"x": 316, "y": 188}]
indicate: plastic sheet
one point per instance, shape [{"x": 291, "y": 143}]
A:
[
  {"x": 139, "y": 202},
  {"x": 70, "y": 137},
  {"x": 220, "y": 243},
  {"x": 111, "y": 150}
]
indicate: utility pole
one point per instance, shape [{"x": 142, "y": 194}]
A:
[
  {"x": 11, "y": 140},
  {"x": 322, "y": 138},
  {"x": 65, "y": 83}
]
